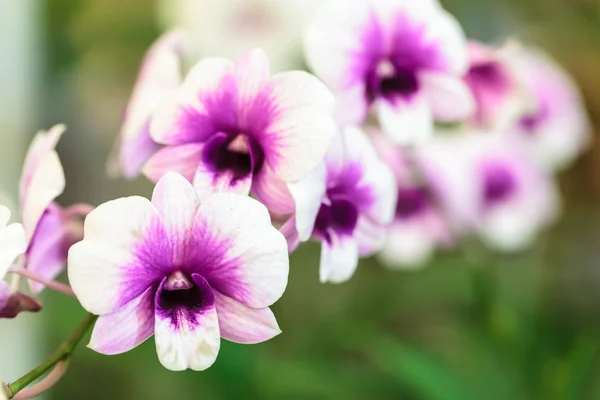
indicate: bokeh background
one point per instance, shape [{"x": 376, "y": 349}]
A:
[{"x": 471, "y": 325}]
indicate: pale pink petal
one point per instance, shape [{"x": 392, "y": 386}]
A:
[
  {"x": 339, "y": 259},
  {"x": 449, "y": 97},
  {"x": 406, "y": 121},
  {"x": 289, "y": 231},
  {"x": 241, "y": 324},
  {"x": 376, "y": 175},
  {"x": 302, "y": 127},
  {"x": 126, "y": 327},
  {"x": 182, "y": 159},
  {"x": 445, "y": 30},
  {"x": 272, "y": 192},
  {"x": 186, "y": 337},
  {"x": 185, "y": 116},
  {"x": 308, "y": 194},
  {"x": 251, "y": 263},
  {"x": 177, "y": 203},
  {"x": 42, "y": 144},
  {"x": 252, "y": 72},
  {"x": 47, "y": 182},
  {"x": 160, "y": 76},
  {"x": 407, "y": 246},
  {"x": 110, "y": 266},
  {"x": 369, "y": 235}
]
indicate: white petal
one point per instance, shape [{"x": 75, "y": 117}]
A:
[
  {"x": 252, "y": 71},
  {"x": 185, "y": 337},
  {"x": 406, "y": 122},
  {"x": 125, "y": 328},
  {"x": 177, "y": 203},
  {"x": 47, "y": 183},
  {"x": 172, "y": 122},
  {"x": 208, "y": 182},
  {"x": 252, "y": 265},
  {"x": 448, "y": 96},
  {"x": 241, "y": 324},
  {"x": 407, "y": 246},
  {"x": 272, "y": 192},
  {"x": 376, "y": 175},
  {"x": 308, "y": 194},
  {"x": 300, "y": 134},
  {"x": 115, "y": 261},
  {"x": 12, "y": 244},
  {"x": 339, "y": 259}
]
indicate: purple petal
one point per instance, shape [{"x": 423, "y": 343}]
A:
[{"x": 13, "y": 302}]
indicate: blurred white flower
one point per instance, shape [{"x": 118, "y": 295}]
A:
[
  {"x": 555, "y": 128},
  {"x": 227, "y": 28}
]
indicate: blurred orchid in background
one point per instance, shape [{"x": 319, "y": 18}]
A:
[
  {"x": 403, "y": 59},
  {"x": 554, "y": 127},
  {"x": 489, "y": 186}
]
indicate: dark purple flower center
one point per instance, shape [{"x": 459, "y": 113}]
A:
[
  {"x": 239, "y": 154},
  {"x": 412, "y": 201},
  {"x": 498, "y": 184},
  {"x": 530, "y": 123},
  {"x": 184, "y": 296},
  {"x": 390, "y": 81},
  {"x": 340, "y": 217}
]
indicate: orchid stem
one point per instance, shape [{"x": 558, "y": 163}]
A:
[
  {"x": 63, "y": 352},
  {"x": 54, "y": 285}
]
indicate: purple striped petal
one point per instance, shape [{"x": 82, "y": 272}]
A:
[
  {"x": 127, "y": 327},
  {"x": 241, "y": 324},
  {"x": 239, "y": 252}
]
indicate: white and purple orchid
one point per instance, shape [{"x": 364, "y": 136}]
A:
[
  {"x": 488, "y": 185},
  {"x": 49, "y": 229},
  {"x": 160, "y": 76},
  {"x": 555, "y": 129},
  {"x": 404, "y": 59},
  {"x": 345, "y": 204},
  {"x": 12, "y": 245},
  {"x": 185, "y": 270},
  {"x": 234, "y": 127},
  {"x": 497, "y": 93},
  {"x": 419, "y": 225}
]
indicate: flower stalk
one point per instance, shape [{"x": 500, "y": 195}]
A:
[{"x": 63, "y": 352}]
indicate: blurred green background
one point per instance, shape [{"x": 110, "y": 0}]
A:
[{"x": 471, "y": 325}]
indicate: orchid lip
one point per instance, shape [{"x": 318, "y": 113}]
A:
[
  {"x": 236, "y": 153},
  {"x": 178, "y": 281}
]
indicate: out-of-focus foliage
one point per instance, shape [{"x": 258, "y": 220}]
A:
[{"x": 473, "y": 325}]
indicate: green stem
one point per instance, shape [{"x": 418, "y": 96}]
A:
[{"x": 63, "y": 352}]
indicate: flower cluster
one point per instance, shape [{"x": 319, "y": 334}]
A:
[{"x": 408, "y": 138}]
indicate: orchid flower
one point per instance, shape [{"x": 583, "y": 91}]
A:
[
  {"x": 555, "y": 129},
  {"x": 488, "y": 185},
  {"x": 12, "y": 244},
  {"x": 345, "y": 204},
  {"x": 184, "y": 270},
  {"x": 404, "y": 59},
  {"x": 160, "y": 75},
  {"x": 233, "y": 127}
]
